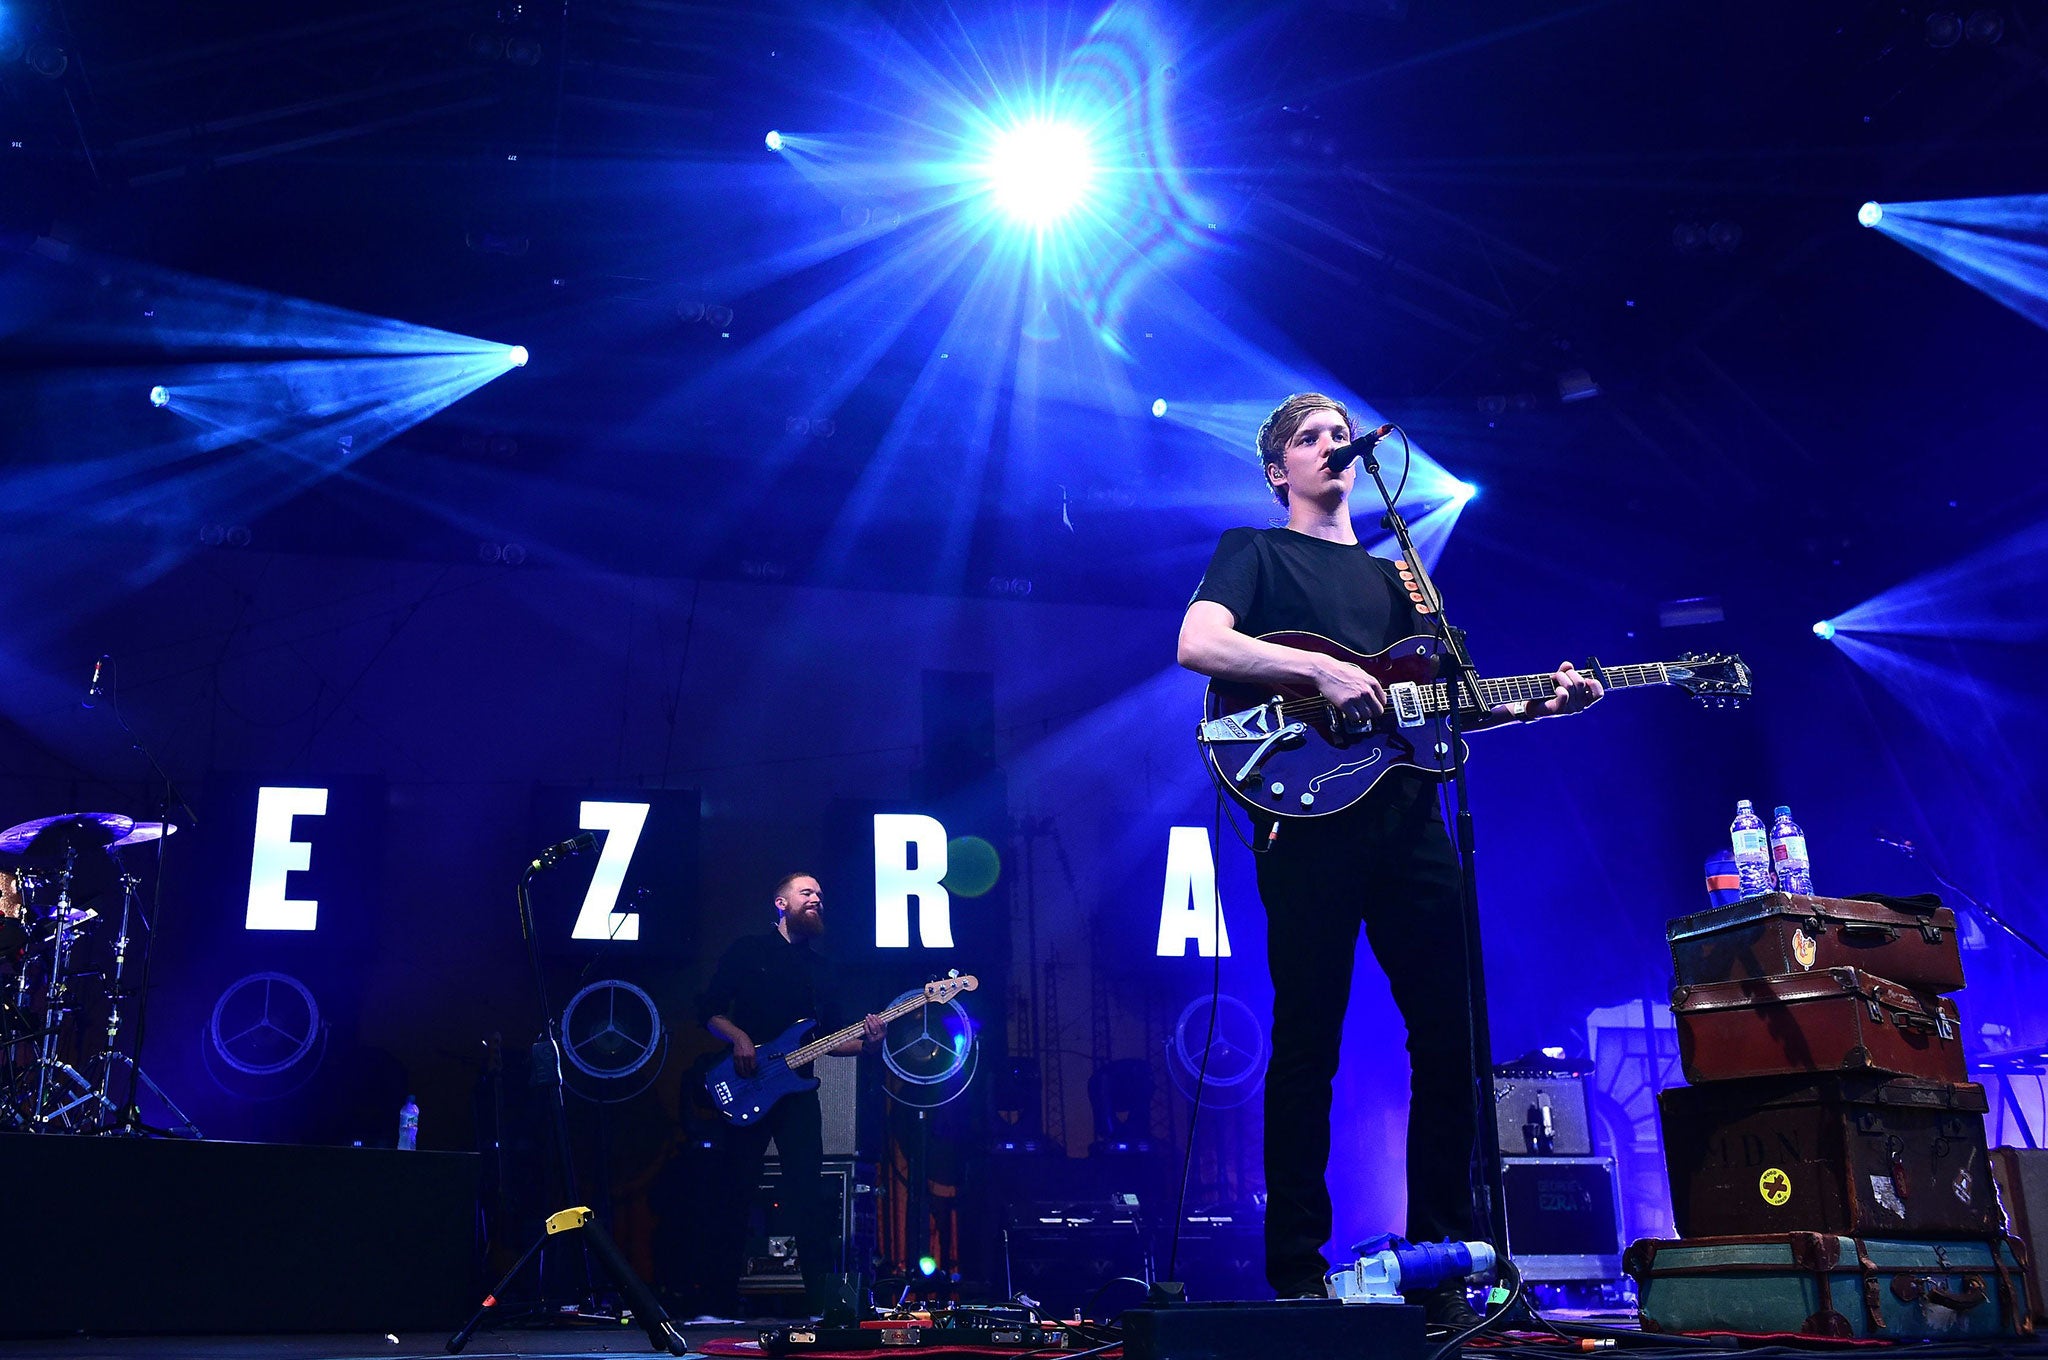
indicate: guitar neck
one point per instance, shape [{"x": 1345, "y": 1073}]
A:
[
  {"x": 818, "y": 1048},
  {"x": 1510, "y": 689}
]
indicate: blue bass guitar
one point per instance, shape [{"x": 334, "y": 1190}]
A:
[{"x": 782, "y": 1066}]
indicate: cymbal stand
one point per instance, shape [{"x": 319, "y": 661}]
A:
[
  {"x": 57, "y": 1010},
  {"x": 108, "y": 1057}
]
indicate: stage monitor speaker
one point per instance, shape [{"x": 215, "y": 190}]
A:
[{"x": 1564, "y": 1218}]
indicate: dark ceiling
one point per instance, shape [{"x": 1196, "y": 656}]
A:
[{"x": 1456, "y": 205}]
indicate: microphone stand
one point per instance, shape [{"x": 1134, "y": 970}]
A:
[
  {"x": 662, "y": 1332},
  {"x": 128, "y": 1123},
  {"x": 1464, "y": 677}
]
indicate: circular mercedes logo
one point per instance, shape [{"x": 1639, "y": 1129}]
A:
[
  {"x": 611, "y": 1029},
  {"x": 264, "y": 1023}
]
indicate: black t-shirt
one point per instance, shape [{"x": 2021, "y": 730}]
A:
[
  {"x": 1278, "y": 580},
  {"x": 765, "y": 984}
]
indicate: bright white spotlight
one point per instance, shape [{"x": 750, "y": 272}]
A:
[
  {"x": 1040, "y": 171},
  {"x": 516, "y": 356},
  {"x": 774, "y": 140},
  {"x": 1824, "y": 630},
  {"x": 1463, "y": 491},
  {"x": 1159, "y": 406},
  {"x": 1870, "y": 214},
  {"x": 159, "y": 396}
]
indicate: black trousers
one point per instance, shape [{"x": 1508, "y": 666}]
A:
[
  {"x": 797, "y": 1125},
  {"x": 1387, "y": 865}
]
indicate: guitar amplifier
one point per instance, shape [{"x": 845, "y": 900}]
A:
[
  {"x": 1527, "y": 1098},
  {"x": 851, "y": 1120},
  {"x": 771, "y": 1265},
  {"x": 1061, "y": 1254}
]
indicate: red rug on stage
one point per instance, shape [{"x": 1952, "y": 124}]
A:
[{"x": 751, "y": 1349}]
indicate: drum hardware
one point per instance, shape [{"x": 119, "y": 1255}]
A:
[{"x": 55, "y": 982}]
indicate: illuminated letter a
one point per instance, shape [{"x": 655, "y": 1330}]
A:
[{"x": 1189, "y": 908}]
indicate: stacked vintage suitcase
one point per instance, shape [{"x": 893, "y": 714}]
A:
[{"x": 1828, "y": 1168}]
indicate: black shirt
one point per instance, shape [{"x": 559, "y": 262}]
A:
[
  {"x": 1278, "y": 580},
  {"x": 765, "y": 984}
]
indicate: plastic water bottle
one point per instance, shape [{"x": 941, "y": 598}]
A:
[
  {"x": 409, "y": 1124},
  {"x": 1752, "y": 853},
  {"x": 1788, "y": 854}
]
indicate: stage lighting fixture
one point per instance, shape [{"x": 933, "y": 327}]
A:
[
  {"x": 1688, "y": 237},
  {"x": 927, "y": 1266},
  {"x": 1463, "y": 491},
  {"x": 1824, "y": 630},
  {"x": 1944, "y": 28},
  {"x": 516, "y": 356},
  {"x": 159, "y": 396},
  {"x": 774, "y": 140},
  {"x": 1159, "y": 406},
  {"x": 1039, "y": 171},
  {"x": 522, "y": 51},
  {"x": 1870, "y": 214},
  {"x": 1984, "y": 27},
  {"x": 1724, "y": 237}
]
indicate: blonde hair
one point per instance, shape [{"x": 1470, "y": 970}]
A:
[{"x": 1280, "y": 426}]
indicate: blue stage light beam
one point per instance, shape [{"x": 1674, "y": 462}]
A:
[
  {"x": 1993, "y": 595},
  {"x": 135, "y": 303},
  {"x": 1997, "y": 245},
  {"x": 1825, "y": 630}
]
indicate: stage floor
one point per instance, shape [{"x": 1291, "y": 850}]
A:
[{"x": 529, "y": 1343}]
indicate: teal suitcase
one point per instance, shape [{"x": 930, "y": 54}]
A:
[{"x": 1820, "y": 1284}]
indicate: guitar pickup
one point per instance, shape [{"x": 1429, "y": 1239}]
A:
[{"x": 1406, "y": 701}]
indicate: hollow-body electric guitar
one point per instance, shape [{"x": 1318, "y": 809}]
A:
[
  {"x": 1291, "y": 754},
  {"x": 782, "y": 1066}
]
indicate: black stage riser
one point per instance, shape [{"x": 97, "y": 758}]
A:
[{"x": 157, "y": 1236}]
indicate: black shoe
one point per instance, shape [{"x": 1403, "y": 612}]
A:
[{"x": 1446, "y": 1305}]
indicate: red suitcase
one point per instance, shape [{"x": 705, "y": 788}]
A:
[
  {"x": 1778, "y": 933},
  {"x": 1842, "y": 1020},
  {"x": 1844, "y": 1153}
]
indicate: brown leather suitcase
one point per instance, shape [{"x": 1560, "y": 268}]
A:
[
  {"x": 1841, "y": 1020},
  {"x": 1778, "y": 933},
  {"x": 2022, "y": 1176},
  {"x": 1856, "y": 1155}
]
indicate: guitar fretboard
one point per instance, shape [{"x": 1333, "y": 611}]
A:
[
  {"x": 1510, "y": 689},
  {"x": 818, "y": 1048}
]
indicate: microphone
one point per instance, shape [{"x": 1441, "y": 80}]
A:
[
  {"x": 1343, "y": 455},
  {"x": 577, "y": 844},
  {"x": 1903, "y": 847},
  {"x": 95, "y": 688}
]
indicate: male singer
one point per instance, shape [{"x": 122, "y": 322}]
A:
[{"x": 1385, "y": 863}]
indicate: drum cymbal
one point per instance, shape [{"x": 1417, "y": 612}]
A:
[
  {"x": 144, "y": 832},
  {"x": 84, "y": 829}
]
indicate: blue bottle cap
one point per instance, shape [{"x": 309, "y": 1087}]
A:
[{"x": 1781, "y": 811}]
